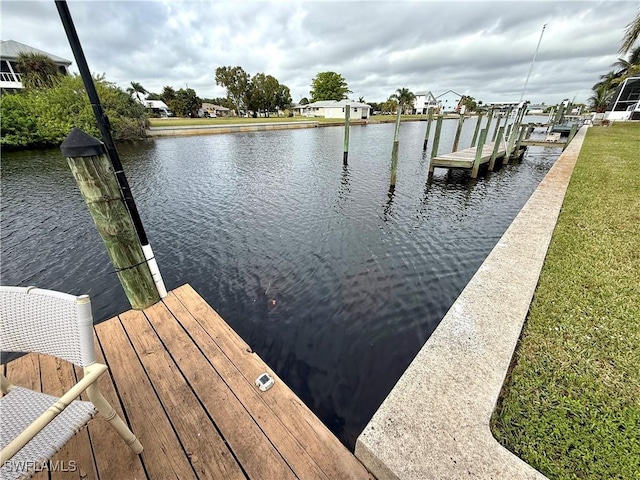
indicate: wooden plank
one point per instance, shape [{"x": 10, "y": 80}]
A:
[
  {"x": 209, "y": 455},
  {"x": 163, "y": 456},
  {"x": 283, "y": 439},
  {"x": 114, "y": 459},
  {"x": 25, "y": 372},
  {"x": 252, "y": 448},
  {"x": 75, "y": 459},
  {"x": 327, "y": 451}
]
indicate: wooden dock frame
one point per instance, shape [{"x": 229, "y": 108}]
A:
[
  {"x": 184, "y": 382},
  {"x": 504, "y": 148}
]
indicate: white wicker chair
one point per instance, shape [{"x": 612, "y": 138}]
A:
[{"x": 34, "y": 426}]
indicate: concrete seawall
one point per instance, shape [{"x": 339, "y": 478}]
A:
[{"x": 435, "y": 422}]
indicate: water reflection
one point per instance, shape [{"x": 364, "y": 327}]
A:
[{"x": 333, "y": 278}]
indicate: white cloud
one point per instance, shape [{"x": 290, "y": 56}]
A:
[{"x": 483, "y": 49}]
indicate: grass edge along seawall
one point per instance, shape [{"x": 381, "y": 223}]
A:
[{"x": 571, "y": 402}]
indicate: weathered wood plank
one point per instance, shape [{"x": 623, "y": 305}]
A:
[
  {"x": 163, "y": 456},
  {"x": 284, "y": 440},
  {"x": 206, "y": 450},
  {"x": 327, "y": 451},
  {"x": 75, "y": 460},
  {"x": 114, "y": 459},
  {"x": 252, "y": 448},
  {"x": 25, "y": 372}
]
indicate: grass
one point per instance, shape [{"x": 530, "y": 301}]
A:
[
  {"x": 571, "y": 404},
  {"x": 176, "y": 122}
]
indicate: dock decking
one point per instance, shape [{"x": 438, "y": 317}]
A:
[
  {"x": 184, "y": 382},
  {"x": 465, "y": 158}
]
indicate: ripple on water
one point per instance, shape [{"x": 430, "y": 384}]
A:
[{"x": 334, "y": 280}]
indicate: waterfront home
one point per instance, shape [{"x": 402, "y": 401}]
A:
[
  {"x": 449, "y": 101},
  {"x": 10, "y": 50},
  {"x": 158, "y": 107},
  {"x": 625, "y": 103},
  {"x": 212, "y": 110},
  {"x": 423, "y": 102},
  {"x": 335, "y": 109}
]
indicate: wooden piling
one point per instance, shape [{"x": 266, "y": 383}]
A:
[
  {"x": 96, "y": 179},
  {"x": 476, "y": 162},
  {"x": 426, "y": 135},
  {"x": 572, "y": 133},
  {"x": 496, "y": 148},
  {"x": 476, "y": 131},
  {"x": 345, "y": 154},
  {"x": 456, "y": 139},
  {"x": 436, "y": 138},
  {"x": 523, "y": 131},
  {"x": 489, "y": 118},
  {"x": 394, "y": 151}
]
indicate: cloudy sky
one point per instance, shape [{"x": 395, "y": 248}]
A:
[{"x": 478, "y": 48}]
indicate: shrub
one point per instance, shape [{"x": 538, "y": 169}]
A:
[{"x": 45, "y": 116}]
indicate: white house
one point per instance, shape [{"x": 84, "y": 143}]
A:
[
  {"x": 449, "y": 101},
  {"x": 625, "y": 104},
  {"x": 335, "y": 109},
  {"x": 10, "y": 50},
  {"x": 423, "y": 102},
  {"x": 298, "y": 108},
  {"x": 158, "y": 107},
  {"x": 213, "y": 111}
]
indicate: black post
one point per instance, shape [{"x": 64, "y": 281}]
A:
[{"x": 101, "y": 117}]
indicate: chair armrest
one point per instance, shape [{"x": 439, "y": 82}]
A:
[{"x": 91, "y": 374}]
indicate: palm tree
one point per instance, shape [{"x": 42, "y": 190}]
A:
[
  {"x": 137, "y": 90},
  {"x": 631, "y": 34},
  {"x": 600, "y": 98},
  {"x": 405, "y": 98},
  {"x": 38, "y": 70},
  {"x": 626, "y": 66}
]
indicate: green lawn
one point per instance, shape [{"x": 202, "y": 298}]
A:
[
  {"x": 175, "y": 121},
  {"x": 571, "y": 404}
]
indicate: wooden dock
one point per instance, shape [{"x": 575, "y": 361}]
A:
[
  {"x": 184, "y": 382},
  {"x": 464, "y": 158}
]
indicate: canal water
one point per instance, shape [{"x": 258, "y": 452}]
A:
[{"x": 335, "y": 281}]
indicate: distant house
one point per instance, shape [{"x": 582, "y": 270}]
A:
[
  {"x": 158, "y": 107},
  {"x": 298, "y": 109},
  {"x": 212, "y": 110},
  {"x": 423, "y": 102},
  {"x": 625, "y": 103},
  {"x": 449, "y": 101},
  {"x": 10, "y": 50},
  {"x": 335, "y": 109}
]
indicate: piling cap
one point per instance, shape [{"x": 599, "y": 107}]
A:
[{"x": 81, "y": 144}]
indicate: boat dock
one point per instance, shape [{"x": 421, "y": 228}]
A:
[
  {"x": 184, "y": 382},
  {"x": 465, "y": 159}
]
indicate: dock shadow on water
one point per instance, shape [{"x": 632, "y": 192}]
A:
[{"x": 335, "y": 281}]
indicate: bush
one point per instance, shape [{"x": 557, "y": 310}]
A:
[{"x": 45, "y": 116}]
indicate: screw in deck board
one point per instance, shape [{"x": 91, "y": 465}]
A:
[
  {"x": 478, "y": 157},
  {"x": 426, "y": 134},
  {"x": 456, "y": 139},
  {"x": 496, "y": 149},
  {"x": 394, "y": 151},
  {"x": 94, "y": 174},
  {"x": 345, "y": 155},
  {"x": 476, "y": 130}
]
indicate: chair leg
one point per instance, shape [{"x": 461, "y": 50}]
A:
[{"x": 108, "y": 412}]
